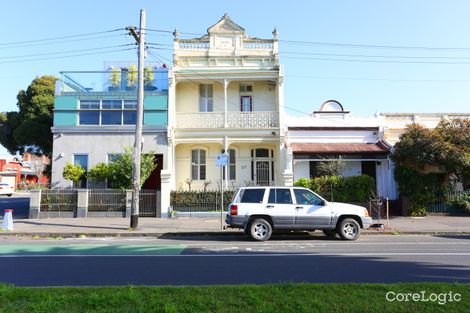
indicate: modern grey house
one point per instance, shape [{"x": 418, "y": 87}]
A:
[{"x": 95, "y": 117}]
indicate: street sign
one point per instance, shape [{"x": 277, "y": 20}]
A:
[{"x": 221, "y": 159}]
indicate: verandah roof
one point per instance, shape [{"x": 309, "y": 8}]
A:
[{"x": 379, "y": 147}]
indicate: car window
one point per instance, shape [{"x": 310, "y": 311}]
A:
[
  {"x": 280, "y": 196},
  {"x": 252, "y": 195},
  {"x": 306, "y": 197}
]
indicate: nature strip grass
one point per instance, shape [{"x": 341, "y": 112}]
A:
[{"x": 243, "y": 298}]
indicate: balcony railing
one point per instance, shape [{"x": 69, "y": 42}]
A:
[
  {"x": 200, "y": 120},
  {"x": 203, "y": 44}
]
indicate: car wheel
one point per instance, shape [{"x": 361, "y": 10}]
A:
[
  {"x": 349, "y": 229},
  {"x": 330, "y": 233},
  {"x": 10, "y": 195},
  {"x": 260, "y": 229}
]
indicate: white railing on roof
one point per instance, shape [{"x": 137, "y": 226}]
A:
[
  {"x": 193, "y": 44},
  {"x": 257, "y": 44},
  {"x": 234, "y": 120}
]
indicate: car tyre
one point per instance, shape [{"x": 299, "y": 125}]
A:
[
  {"x": 349, "y": 229},
  {"x": 330, "y": 233},
  {"x": 10, "y": 195},
  {"x": 260, "y": 229}
]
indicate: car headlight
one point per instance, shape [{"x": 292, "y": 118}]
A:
[{"x": 366, "y": 213}]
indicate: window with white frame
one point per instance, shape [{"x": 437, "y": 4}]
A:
[
  {"x": 198, "y": 164},
  {"x": 206, "y": 98}
]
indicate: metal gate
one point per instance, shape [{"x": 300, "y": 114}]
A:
[
  {"x": 262, "y": 173},
  {"x": 149, "y": 203}
]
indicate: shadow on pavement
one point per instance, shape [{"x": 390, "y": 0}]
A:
[
  {"x": 240, "y": 236},
  {"x": 73, "y": 226},
  {"x": 467, "y": 237}
]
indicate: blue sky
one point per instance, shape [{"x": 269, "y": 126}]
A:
[{"x": 358, "y": 52}]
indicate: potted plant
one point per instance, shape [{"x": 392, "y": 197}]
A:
[
  {"x": 149, "y": 76},
  {"x": 114, "y": 79},
  {"x": 131, "y": 76}
]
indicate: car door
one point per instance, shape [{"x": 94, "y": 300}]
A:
[
  {"x": 311, "y": 211},
  {"x": 280, "y": 206}
]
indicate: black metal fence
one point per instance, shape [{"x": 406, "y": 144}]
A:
[
  {"x": 106, "y": 200},
  {"x": 148, "y": 203},
  {"x": 452, "y": 202},
  {"x": 100, "y": 200},
  {"x": 59, "y": 200}
]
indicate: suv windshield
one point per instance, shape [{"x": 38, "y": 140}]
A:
[{"x": 252, "y": 195}]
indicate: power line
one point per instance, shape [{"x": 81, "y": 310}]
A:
[
  {"x": 350, "y": 45},
  {"x": 339, "y": 44},
  {"x": 375, "y": 61},
  {"x": 171, "y": 32},
  {"x": 61, "y": 37},
  {"x": 61, "y": 42},
  {"x": 66, "y": 56},
  {"x": 374, "y": 56},
  {"x": 62, "y": 52},
  {"x": 380, "y": 79}
]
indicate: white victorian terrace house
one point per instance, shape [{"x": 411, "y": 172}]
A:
[{"x": 225, "y": 94}]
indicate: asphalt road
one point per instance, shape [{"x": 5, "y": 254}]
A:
[
  {"x": 20, "y": 206},
  {"x": 231, "y": 260}
]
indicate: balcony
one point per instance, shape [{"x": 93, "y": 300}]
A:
[
  {"x": 117, "y": 79},
  {"x": 208, "y": 120}
]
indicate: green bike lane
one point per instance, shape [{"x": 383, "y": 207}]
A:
[{"x": 89, "y": 249}]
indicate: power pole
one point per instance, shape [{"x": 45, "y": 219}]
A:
[{"x": 137, "y": 152}]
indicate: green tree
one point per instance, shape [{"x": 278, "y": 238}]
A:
[
  {"x": 426, "y": 160},
  {"x": 29, "y": 129},
  {"x": 73, "y": 172},
  {"x": 99, "y": 173},
  {"x": 9, "y": 121},
  {"x": 119, "y": 171},
  {"x": 455, "y": 137},
  {"x": 331, "y": 168}
]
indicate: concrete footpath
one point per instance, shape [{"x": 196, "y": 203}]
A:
[{"x": 183, "y": 226}]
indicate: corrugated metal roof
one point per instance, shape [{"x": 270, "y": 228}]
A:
[{"x": 378, "y": 147}]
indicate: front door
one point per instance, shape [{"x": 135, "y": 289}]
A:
[
  {"x": 280, "y": 206},
  {"x": 262, "y": 173},
  {"x": 311, "y": 211}
]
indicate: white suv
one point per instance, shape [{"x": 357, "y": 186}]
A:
[{"x": 260, "y": 210}]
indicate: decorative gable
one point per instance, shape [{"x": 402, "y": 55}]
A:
[{"x": 225, "y": 25}]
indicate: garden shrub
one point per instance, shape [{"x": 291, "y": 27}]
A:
[
  {"x": 304, "y": 182},
  {"x": 199, "y": 200},
  {"x": 340, "y": 189}
]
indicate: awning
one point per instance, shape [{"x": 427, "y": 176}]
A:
[{"x": 379, "y": 147}]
